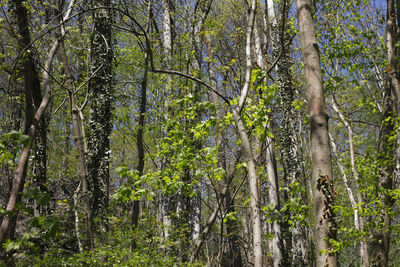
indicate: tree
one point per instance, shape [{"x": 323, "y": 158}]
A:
[
  {"x": 182, "y": 129},
  {"x": 101, "y": 106},
  {"x": 324, "y": 193},
  {"x": 79, "y": 144},
  {"x": 21, "y": 170}
]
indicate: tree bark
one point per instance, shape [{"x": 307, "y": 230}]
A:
[
  {"x": 234, "y": 258},
  {"x": 167, "y": 46},
  {"x": 101, "y": 103},
  {"x": 20, "y": 175},
  {"x": 251, "y": 166},
  {"x": 391, "y": 53},
  {"x": 320, "y": 151}
]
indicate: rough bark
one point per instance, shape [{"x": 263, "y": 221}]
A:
[
  {"x": 323, "y": 190},
  {"x": 101, "y": 103}
]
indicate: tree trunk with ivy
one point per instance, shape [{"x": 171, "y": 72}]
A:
[
  {"x": 289, "y": 152},
  {"x": 101, "y": 104}
]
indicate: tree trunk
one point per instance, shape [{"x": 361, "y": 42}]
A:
[
  {"x": 139, "y": 135},
  {"x": 360, "y": 221},
  {"x": 101, "y": 103},
  {"x": 275, "y": 244},
  {"x": 392, "y": 69},
  {"x": 33, "y": 97},
  {"x": 234, "y": 258},
  {"x": 167, "y": 46},
  {"x": 20, "y": 174},
  {"x": 245, "y": 142},
  {"x": 379, "y": 246},
  {"x": 320, "y": 151},
  {"x": 79, "y": 145}
]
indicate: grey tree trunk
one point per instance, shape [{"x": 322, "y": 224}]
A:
[
  {"x": 231, "y": 257},
  {"x": 391, "y": 51},
  {"x": 201, "y": 11},
  {"x": 167, "y": 46},
  {"x": 244, "y": 137},
  {"x": 323, "y": 190}
]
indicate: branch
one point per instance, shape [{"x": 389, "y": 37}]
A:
[{"x": 190, "y": 77}]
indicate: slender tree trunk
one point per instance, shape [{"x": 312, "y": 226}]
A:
[
  {"x": 139, "y": 135},
  {"x": 207, "y": 228},
  {"x": 360, "y": 222},
  {"x": 20, "y": 174},
  {"x": 202, "y": 9},
  {"x": 80, "y": 148},
  {"x": 320, "y": 151},
  {"x": 141, "y": 123},
  {"x": 379, "y": 246},
  {"x": 275, "y": 244},
  {"x": 251, "y": 166},
  {"x": 76, "y": 214},
  {"x": 33, "y": 97},
  {"x": 167, "y": 46},
  {"x": 234, "y": 258}
]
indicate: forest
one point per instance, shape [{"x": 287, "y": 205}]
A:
[{"x": 200, "y": 133}]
